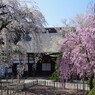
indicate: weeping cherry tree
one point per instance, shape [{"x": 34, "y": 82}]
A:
[
  {"x": 16, "y": 20},
  {"x": 78, "y": 49}
]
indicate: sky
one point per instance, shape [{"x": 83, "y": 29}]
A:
[{"x": 55, "y": 11}]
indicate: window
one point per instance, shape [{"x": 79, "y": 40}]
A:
[
  {"x": 30, "y": 57},
  {"x": 18, "y": 67},
  {"x": 26, "y": 67},
  {"x": 9, "y": 70},
  {"x": 52, "y": 30},
  {"x": 46, "y": 67}
]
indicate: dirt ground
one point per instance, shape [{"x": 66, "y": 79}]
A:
[{"x": 42, "y": 90}]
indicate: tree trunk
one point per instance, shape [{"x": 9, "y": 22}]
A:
[{"x": 91, "y": 81}]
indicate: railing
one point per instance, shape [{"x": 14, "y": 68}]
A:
[
  {"x": 12, "y": 87},
  {"x": 72, "y": 86},
  {"x": 16, "y": 87}
]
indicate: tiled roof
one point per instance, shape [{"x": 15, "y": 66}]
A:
[{"x": 47, "y": 41}]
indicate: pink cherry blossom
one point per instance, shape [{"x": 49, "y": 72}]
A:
[{"x": 79, "y": 50}]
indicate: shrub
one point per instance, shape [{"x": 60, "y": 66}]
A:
[
  {"x": 88, "y": 82},
  {"x": 55, "y": 76},
  {"x": 92, "y": 92}
]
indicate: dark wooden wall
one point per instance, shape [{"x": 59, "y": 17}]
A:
[{"x": 45, "y": 59}]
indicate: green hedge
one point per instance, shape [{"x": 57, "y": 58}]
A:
[
  {"x": 92, "y": 92},
  {"x": 88, "y": 82},
  {"x": 55, "y": 76}
]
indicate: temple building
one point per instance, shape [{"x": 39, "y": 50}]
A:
[{"x": 42, "y": 49}]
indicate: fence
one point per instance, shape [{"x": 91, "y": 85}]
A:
[
  {"x": 8, "y": 87},
  {"x": 72, "y": 86},
  {"x": 16, "y": 87}
]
